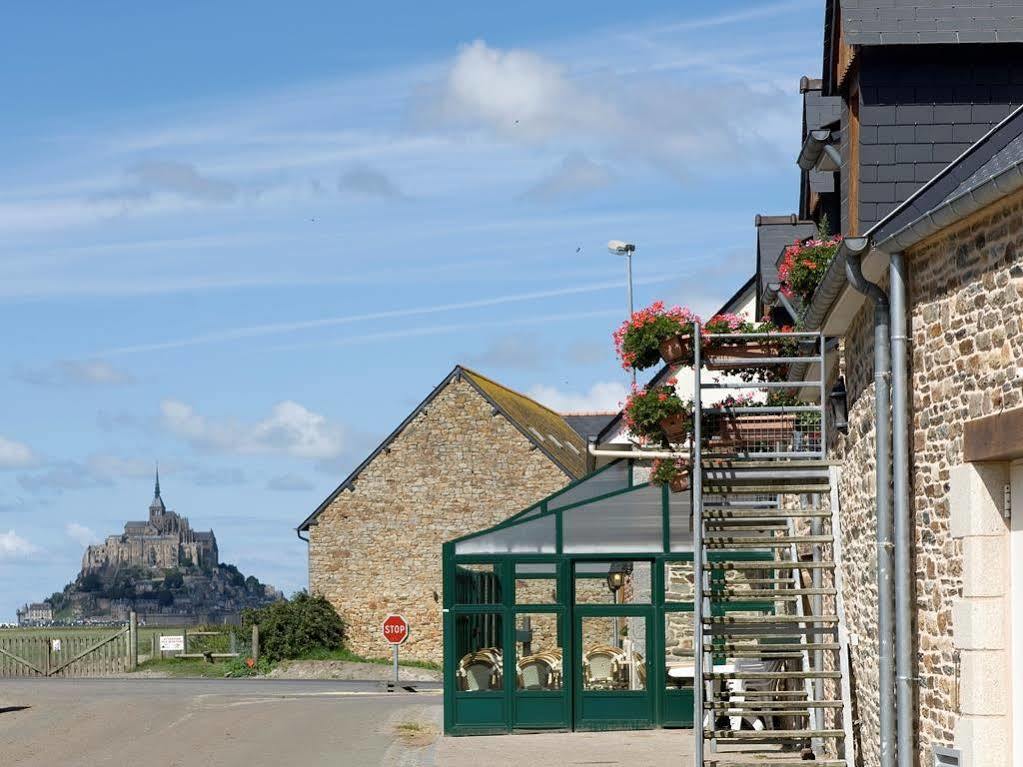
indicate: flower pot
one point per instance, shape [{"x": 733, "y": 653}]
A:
[
  {"x": 677, "y": 349},
  {"x": 747, "y": 429},
  {"x": 676, "y": 427},
  {"x": 679, "y": 484}
]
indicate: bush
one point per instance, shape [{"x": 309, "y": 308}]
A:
[{"x": 292, "y": 629}]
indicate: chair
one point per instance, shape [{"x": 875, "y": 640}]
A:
[
  {"x": 602, "y": 667},
  {"x": 541, "y": 671},
  {"x": 480, "y": 670}
]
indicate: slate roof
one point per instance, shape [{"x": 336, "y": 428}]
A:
[
  {"x": 774, "y": 233},
  {"x": 902, "y": 22},
  {"x": 546, "y": 429},
  {"x": 998, "y": 151},
  {"x": 588, "y": 425}
]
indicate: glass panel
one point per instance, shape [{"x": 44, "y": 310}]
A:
[
  {"x": 605, "y": 583},
  {"x": 537, "y": 536},
  {"x": 538, "y": 652},
  {"x": 610, "y": 660},
  {"x": 678, "y": 651},
  {"x": 477, "y": 585},
  {"x": 478, "y": 647},
  {"x": 678, "y": 582},
  {"x": 628, "y": 522},
  {"x": 680, "y": 520},
  {"x": 536, "y": 584},
  {"x": 614, "y": 477}
]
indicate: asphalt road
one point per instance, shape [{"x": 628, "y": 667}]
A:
[{"x": 209, "y": 722}]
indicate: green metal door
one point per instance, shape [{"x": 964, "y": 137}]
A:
[{"x": 613, "y": 685}]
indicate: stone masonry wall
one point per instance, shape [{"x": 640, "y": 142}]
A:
[
  {"x": 455, "y": 469},
  {"x": 966, "y": 325}
]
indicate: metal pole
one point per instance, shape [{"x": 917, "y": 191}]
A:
[
  {"x": 395, "y": 664},
  {"x": 903, "y": 531},
  {"x": 614, "y": 621},
  {"x": 133, "y": 641},
  {"x": 698, "y": 604},
  {"x": 628, "y": 273}
]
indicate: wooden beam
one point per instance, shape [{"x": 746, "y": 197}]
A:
[{"x": 994, "y": 438}]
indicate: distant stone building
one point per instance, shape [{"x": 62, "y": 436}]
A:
[
  {"x": 164, "y": 541},
  {"x": 470, "y": 455},
  {"x": 35, "y": 614}
]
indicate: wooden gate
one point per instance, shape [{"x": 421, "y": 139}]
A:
[{"x": 66, "y": 654}]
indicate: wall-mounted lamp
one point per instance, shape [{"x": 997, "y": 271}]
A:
[
  {"x": 617, "y": 574},
  {"x": 838, "y": 406}
]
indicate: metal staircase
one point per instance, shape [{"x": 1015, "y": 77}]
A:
[{"x": 770, "y": 641}]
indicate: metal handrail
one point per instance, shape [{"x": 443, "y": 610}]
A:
[{"x": 699, "y": 687}]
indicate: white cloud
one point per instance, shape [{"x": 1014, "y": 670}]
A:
[
  {"x": 289, "y": 429},
  {"x": 369, "y": 182},
  {"x": 606, "y": 396},
  {"x": 13, "y": 546},
  {"x": 576, "y": 174},
  {"x": 15, "y": 455},
  {"x": 80, "y": 533},
  {"x": 181, "y": 179},
  {"x": 674, "y": 127}
]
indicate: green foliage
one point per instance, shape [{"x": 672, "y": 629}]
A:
[
  {"x": 288, "y": 629},
  {"x": 239, "y": 667},
  {"x": 173, "y": 579},
  {"x": 803, "y": 266},
  {"x": 638, "y": 339},
  {"x": 644, "y": 410},
  {"x": 234, "y": 576},
  {"x": 90, "y": 582}
]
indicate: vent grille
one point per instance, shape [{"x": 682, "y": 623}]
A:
[{"x": 947, "y": 757}]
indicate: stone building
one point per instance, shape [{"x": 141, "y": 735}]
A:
[
  {"x": 471, "y": 454},
  {"x": 164, "y": 541},
  {"x": 930, "y": 180},
  {"x": 35, "y": 614}
]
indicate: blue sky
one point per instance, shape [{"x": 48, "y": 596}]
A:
[{"x": 246, "y": 240}]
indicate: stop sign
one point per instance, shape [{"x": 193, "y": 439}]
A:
[{"x": 395, "y": 629}]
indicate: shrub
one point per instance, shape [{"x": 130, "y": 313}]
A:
[
  {"x": 289, "y": 629},
  {"x": 644, "y": 410},
  {"x": 639, "y": 337}
]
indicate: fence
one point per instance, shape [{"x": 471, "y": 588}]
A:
[
  {"x": 211, "y": 645},
  {"x": 70, "y": 654}
]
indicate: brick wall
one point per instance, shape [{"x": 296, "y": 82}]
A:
[
  {"x": 455, "y": 469},
  {"x": 966, "y": 324}
]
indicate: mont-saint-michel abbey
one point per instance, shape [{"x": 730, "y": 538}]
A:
[
  {"x": 159, "y": 568},
  {"x": 165, "y": 541}
]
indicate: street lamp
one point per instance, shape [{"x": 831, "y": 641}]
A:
[
  {"x": 616, "y": 577},
  {"x": 619, "y": 248}
]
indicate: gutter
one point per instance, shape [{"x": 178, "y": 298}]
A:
[
  {"x": 635, "y": 454},
  {"x": 818, "y": 153}
]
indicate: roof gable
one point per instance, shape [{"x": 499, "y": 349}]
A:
[{"x": 566, "y": 450}]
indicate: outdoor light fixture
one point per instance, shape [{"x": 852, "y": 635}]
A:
[
  {"x": 838, "y": 406},
  {"x": 619, "y": 248},
  {"x": 617, "y": 574}
]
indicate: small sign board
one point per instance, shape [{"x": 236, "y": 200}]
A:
[
  {"x": 174, "y": 642},
  {"x": 55, "y": 645},
  {"x": 395, "y": 629}
]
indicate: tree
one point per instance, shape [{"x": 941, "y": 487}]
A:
[{"x": 173, "y": 579}]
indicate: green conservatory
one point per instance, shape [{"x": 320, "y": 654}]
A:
[{"x": 576, "y": 613}]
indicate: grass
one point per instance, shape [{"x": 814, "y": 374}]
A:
[
  {"x": 322, "y": 653},
  {"x": 415, "y": 734},
  {"x": 188, "y": 667}
]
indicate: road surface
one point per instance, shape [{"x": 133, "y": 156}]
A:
[{"x": 212, "y": 722}]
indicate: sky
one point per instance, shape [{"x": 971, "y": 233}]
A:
[{"x": 246, "y": 239}]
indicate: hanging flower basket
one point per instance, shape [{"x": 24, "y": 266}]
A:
[
  {"x": 719, "y": 352},
  {"x": 671, "y": 472},
  {"x": 638, "y": 340},
  {"x": 658, "y": 413},
  {"x": 676, "y": 427},
  {"x": 804, "y": 263},
  {"x": 677, "y": 350}
]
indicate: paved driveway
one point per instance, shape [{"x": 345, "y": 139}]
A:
[{"x": 214, "y": 723}]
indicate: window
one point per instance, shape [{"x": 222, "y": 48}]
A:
[
  {"x": 594, "y": 581},
  {"x": 478, "y": 648},
  {"x": 538, "y": 656},
  {"x": 477, "y": 585},
  {"x": 536, "y": 583},
  {"x": 608, "y": 655}
]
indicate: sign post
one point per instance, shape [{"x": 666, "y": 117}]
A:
[{"x": 395, "y": 630}]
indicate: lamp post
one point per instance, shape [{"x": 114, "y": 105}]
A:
[
  {"x": 616, "y": 576},
  {"x": 619, "y": 248}
]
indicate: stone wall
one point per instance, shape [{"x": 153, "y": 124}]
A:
[
  {"x": 455, "y": 469},
  {"x": 966, "y": 309}
]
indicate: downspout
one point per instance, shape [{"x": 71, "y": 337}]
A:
[
  {"x": 855, "y": 248},
  {"x": 903, "y": 533}
]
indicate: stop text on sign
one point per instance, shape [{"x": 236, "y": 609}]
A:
[{"x": 395, "y": 629}]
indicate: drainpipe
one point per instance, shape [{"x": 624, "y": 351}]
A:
[
  {"x": 855, "y": 248},
  {"x": 903, "y": 533}
]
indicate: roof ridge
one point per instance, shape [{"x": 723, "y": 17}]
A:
[{"x": 517, "y": 393}]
